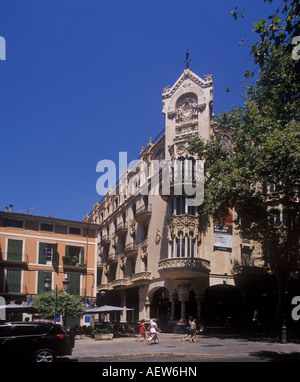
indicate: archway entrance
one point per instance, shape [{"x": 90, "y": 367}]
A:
[
  {"x": 160, "y": 306},
  {"x": 223, "y": 305}
]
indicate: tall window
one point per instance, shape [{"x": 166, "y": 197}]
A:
[
  {"x": 192, "y": 245},
  {"x": 14, "y": 249},
  {"x": 74, "y": 255},
  {"x": 180, "y": 245},
  {"x": 180, "y": 205},
  {"x": 13, "y": 280},
  {"x": 74, "y": 286},
  {"x": 42, "y": 276},
  {"x": 47, "y": 253}
]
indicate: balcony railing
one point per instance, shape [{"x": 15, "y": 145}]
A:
[
  {"x": 185, "y": 267},
  {"x": 122, "y": 228},
  {"x": 73, "y": 264},
  {"x": 141, "y": 277},
  {"x": 143, "y": 213},
  {"x": 14, "y": 259},
  {"x": 118, "y": 283},
  {"x": 105, "y": 239},
  {"x": 130, "y": 249},
  {"x": 112, "y": 257}
]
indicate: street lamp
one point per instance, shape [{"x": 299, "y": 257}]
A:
[
  {"x": 47, "y": 283},
  {"x": 66, "y": 284}
]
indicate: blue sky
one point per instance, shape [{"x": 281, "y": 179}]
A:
[{"x": 83, "y": 80}]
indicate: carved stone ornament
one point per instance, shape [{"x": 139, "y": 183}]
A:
[
  {"x": 184, "y": 223},
  {"x": 144, "y": 248},
  {"x": 122, "y": 261},
  {"x": 114, "y": 240},
  {"x": 187, "y": 109},
  {"x": 171, "y": 151},
  {"x": 171, "y": 114},
  {"x": 180, "y": 150},
  {"x": 201, "y": 107},
  {"x": 157, "y": 236},
  {"x": 132, "y": 227},
  {"x": 106, "y": 269}
]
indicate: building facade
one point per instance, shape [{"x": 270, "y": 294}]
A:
[
  {"x": 153, "y": 255},
  {"x": 35, "y": 248}
]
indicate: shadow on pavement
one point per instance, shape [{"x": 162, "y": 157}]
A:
[{"x": 271, "y": 356}]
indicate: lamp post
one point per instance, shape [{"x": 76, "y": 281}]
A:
[{"x": 47, "y": 283}]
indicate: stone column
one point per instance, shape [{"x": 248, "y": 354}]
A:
[
  {"x": 173, "y": 300},
  {"x": 123, "y": 304},
  {"x": 183, "y": 296},
  {"x": 199, "y": 300},
  {"x": 144, "y": 303}
]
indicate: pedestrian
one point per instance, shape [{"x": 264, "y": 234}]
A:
[
  {"x": 153, "y": 331},
  {"x": 142, "y": 331},
  {"x": 193, "y": 330},
  {"x": 187, "y": 329}
]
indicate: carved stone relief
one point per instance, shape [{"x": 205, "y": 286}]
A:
[{"x": 184, "y": 223}]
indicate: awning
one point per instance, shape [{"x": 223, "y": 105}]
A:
[{"x": 104, "y": 309}]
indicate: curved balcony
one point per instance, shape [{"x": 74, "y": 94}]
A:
[
  {"x": 121, "y": 229},
  {"x": 141, "y": 278},
  {"x": 120, "y": 283},
  {"x": 105, "y": 240},
  {"x": 143, "y": 213},
  {"x": 183, "y": 267},
  {"x": 130, "y": 249}
]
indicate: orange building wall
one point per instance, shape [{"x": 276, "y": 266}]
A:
[{"x": 32, "y": 236}]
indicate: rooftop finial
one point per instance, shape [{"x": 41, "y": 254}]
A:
[{"x": 187, "y": 59}]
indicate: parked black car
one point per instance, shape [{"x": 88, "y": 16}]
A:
[{"x": 35, "y": 341}]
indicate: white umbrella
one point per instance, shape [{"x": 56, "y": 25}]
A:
[
  {"x": 16, "y": 307},
  {"x": 105, "y": 308}
]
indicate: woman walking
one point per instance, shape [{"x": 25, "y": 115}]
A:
[
  {"x": 153, "y": 332},
  {"x": 142, "y": 331}
]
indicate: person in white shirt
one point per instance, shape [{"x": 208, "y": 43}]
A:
[{"x": 153, "y": 331}]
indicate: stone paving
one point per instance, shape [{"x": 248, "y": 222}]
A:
[{"x": 205, "y": 347}]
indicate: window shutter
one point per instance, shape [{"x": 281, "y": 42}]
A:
[
  {"x": 13, "y": 279},
  {"x": 42, "y": 276},
  {"x": 55, "y": 255},
  {"x": 81, "y": 258},
  {"x": 14, "y": 250},
  {"x": 42, "y": 253},
  {"x": 74, "y": 287}
]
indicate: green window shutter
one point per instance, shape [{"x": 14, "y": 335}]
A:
[
  {"x": 42, "y": 253},
  {"x": 14, "y": 250},
  {"x": 13, "y": 280},
  {"x": 81, "y": 257},
  {"x": 74, "y": 287},
  {"x": 42, "y": 276},
  {"x": 55, "y": 255}
]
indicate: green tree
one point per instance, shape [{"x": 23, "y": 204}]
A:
[
  {"x": 67, "y": 305},
  {"x": 264, "y": 149}
]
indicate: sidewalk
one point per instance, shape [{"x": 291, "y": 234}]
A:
[{"x": 171, "y": 344}]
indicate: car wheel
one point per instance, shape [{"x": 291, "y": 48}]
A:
[{"x": 44, "y": 355}]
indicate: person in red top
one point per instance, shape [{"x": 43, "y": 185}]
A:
[{"x": 142, "y": 331}]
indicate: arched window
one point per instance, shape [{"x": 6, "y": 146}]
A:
[
  {"x": 191, "y": 245},
  {"x": 180, "y": 245}
]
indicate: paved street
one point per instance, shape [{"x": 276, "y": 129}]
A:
[{"x": 172, "y": 349}]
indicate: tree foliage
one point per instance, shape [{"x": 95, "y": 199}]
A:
[
  {"x": 67, "y": 304},
  {"x": 264, "y": 149}
]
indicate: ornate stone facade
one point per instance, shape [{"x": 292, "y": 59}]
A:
[{"x": 153, "y": 255}]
